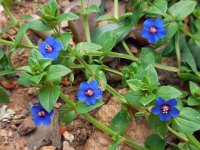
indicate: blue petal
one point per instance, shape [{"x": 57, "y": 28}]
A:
[
  {"x": 81, "y": 96},
  {"x": 93, "y": 84},
  {"x": 160, "y": 101},
  {"x": 165, "y": 117},
  {"x": 97, "y": 94},
  {"x": 57, "y": 46},
  {"x": 145, "y": 33},
  {"x": 37, "y": 120},
  {"x": 83, "y": 86},
  {"x": 46, "y": 120},
  {"x": 35, "y": 110},
  {"x": 148, "y": 23},
  {"x": 156, "y": 110},
  {"x": 42, "y": 47},
  {"x": 52, "y": 55},
  {"x": 158, "y": 23},
  {"x": 51, "y": 113},
  {"x": 51, "y": 40},
  {"x": 174, "y": 112},
  {"x": 153, "y": 38},
  {"x": 172, "y": 102},
  {"x": 90, "y": 100},
  {"x": 161, "y": 33}
]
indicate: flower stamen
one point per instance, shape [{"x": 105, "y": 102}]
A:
[
  {"x": 89, "y": 92},
  {"x": 165, "y": 109},
  {"x": 48, "y": 48},
  {"x": 41, "y": 113},
  {"x": 153, "y": 30}
]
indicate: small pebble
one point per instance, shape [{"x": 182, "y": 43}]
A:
[
  {"x": 14, "y": 127},
  {"x": 68, "y": 136}
]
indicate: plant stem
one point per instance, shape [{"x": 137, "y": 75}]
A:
[
  {"x": 116, "y": 5},
  {"x": 100, "y": 125},
  {"x": 2, "y": 73},
  {"x": 181, "y": 136},
  {"x": 15, "y": 21},
  {"x": 193, "y": 140},
  {"x": 112, "y": 71},
  {"x": 177, "y": 48},
  {"x": 184, "y": 30},
  {"x": 124, "y": 56},
  {"x": 127, "y": 48},
  {"x": 86, "y": 26},
  {"x": 9, "y": 43}
]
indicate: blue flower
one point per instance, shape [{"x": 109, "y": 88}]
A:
[
  {"x": 50, "y": 48},
  {"x": 41, "y": 116},
  {"x": 89, "y": 92},
  {"x": 153, "y": 30},
  {"x": 166, "y": 109}
]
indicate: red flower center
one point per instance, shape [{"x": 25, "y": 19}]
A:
[
  {"x": 48, "y": 48},
  {"x": 165, "y": 109},
  {"x": 153, "y": 30},
  {"x": 89, "y": 92},
  {"x": 41, "y": 113}
]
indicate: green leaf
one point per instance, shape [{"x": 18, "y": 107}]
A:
[
  {"x": 159, "y": 7},
  {"x": 102, "y": 80},
  {"x": 8, "y": 3},
  {"x": 3, "y": 96},
  {"x": 48, "y": 96},
  {"x": 37, "y": 78},
  {"x": 195, "y": 50},
  {"x": 36, "y": 55},
  {"x": 86, "y": 46},
  {"x": 92, "y": 9},
  {"x": 187, "y": 146},
  {"x": 157, "y": 125},
  {"x": 194, "y": 88},
  {"x": 44, "y": 63},
  {"x": 65, "y": 38},
  {"x": 66, "y": 115},
  {"x": 172, "y": 28},
  {"x": 56, "y": 71},
  {"x": 149, "y": 56},
  {"x": 154, "y": 142},
  {"x": 38, "y": 26},
  {"x": 147, "y": 99},
  {"x": 182, "y": 9},
  {"x": 169, "y": 49},
  {"x": 187, "y": 121},
  {"x": 120, "y": 121},
  {"x": 25, "y": 79},
  {"x": 168, "y": 92},
  {"x": 193, "y": 101},
  {"x": 26, "y": 18},
  {"x": 83, "y": 108},
  {"x": 125, "y": 15},
  {"x": 101, "y": 18},
  {"x": 67, "y": 17},
  {"x": 113, "y": 146},
  {"x": 136, "y": 85},
  {"x": 133, "y": 98},
  {"x": 107, "y": 41},
  {"x": 22, "y": 30},
  {"x": 151, "y": 74}
]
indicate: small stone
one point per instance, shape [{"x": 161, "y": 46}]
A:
[
  {"x": 58, "y": 105},
  {"x": 10, "y": 134},
  {"x": 14, "y": 127},
  {"x": 66, "y": 146},
  {"x": 20, "y": 116},
  {"x": 3, "y": 133},
  {"x": 27, "y": 126},
  {"x": 48, "y": 148},
  {"x": 5, "y": 142},
  {"x": 4, "y": 125},
  {"x": 32, "y": 91},
  {"x": 68, "y": 136}
]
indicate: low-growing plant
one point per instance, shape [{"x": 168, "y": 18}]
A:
[{"x": 167, "y": 109}]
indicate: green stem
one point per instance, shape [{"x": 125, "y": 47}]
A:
[
  {"x": 116, "y": 5},
  {"x": 112, "y": 71},
  {"x": 181, "y": 136},
  {"x": 127, "y": 49},
  {"x": 15, "y": 21},
  {"x": 86, "y": 26},
  {"x": 193, "y": 140},
  {"x": 184, "y": 30},
  {"x": 177, "y": 48},
  {"x": 6, "y": 72},
  {"x": 124, "y": 56},
  {"x": 9, "y": 43},
  {"x": 100, "y": 125}
]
